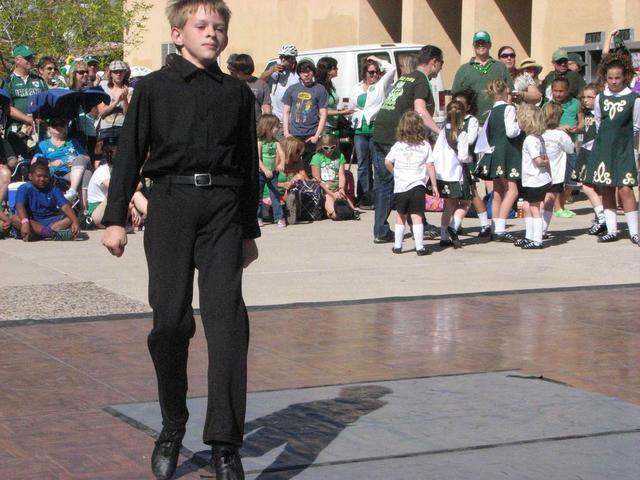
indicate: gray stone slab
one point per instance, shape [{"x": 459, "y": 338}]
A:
[{"x": 453, "y": 417}]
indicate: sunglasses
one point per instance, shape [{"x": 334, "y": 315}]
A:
[
  {"x": 508, "y": 55},
  {"x": 329, "y": 148},
  {"x": 373, "y": 72},
  {"x": 82, "y": 72}
]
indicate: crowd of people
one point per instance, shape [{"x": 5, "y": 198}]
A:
[{"x": 508, "y": 134}]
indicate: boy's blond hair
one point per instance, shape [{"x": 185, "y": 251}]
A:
[
  {"x": 552, "y": 112},
  {"x": 178, "y": 11},
  {"x": 531, "y": 119}
]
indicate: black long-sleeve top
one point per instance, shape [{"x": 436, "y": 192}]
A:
[{"x": 184, "y": 120}]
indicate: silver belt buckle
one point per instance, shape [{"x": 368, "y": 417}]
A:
[{"x": 202, "y": 179}]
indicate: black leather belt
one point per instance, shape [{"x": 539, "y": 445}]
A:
[{"x": 200, "y": 180}]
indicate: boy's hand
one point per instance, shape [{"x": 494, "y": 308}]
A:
[
  {"x": 268, "y": 174},
  {"x": 115, "y": 239},
  {"x": 75, "y": 228},
  {"x": 25, "y": 232},
  {"x": 313, "y": 139},
  {"x": 249, "y": 252}
]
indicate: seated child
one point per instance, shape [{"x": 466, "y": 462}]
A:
[
  {"x": 66, "y": 158},
  {"x": 97, "y": 197},
  {"x": 292, "y": 171},
  {"x": 41, "y": 209},
  {"x": 327, "y": 167}
]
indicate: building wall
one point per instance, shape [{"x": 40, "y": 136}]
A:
[{"x": 533, "y": 27}]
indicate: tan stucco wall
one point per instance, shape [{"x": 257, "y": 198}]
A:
[{"x": 533, "y": 27}]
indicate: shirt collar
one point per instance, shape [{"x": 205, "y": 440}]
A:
[
  {"x": 490, "y": 61},
  {"x": 187, "y": 69},
  {"x": 624, "y": 91}
]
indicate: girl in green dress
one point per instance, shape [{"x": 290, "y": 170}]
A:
[
  {"x": 612, "y": 162},
  {"x": 501, "y": 143}
]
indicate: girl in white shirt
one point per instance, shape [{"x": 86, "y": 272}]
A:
[
  {"x": 450, "y": 154},
  {"x": 536, "y": 175},
  {"x": 467, "y": 97},
  {"x": 410, "y": 160},
  {"x": 557, "y": 144}
]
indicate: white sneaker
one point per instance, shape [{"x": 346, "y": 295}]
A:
[
  {"x": 282, "y": 223},
  {"x": 71, "y": 196}
]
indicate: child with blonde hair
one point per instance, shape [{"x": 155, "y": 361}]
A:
[
  {"x": 500, "y": 141},
  {"x": 292, "y": 170},
  {"x": 536, "y": 177},
  {"x": 557, "y": 144},
  {"x": 410, "y": 160}
]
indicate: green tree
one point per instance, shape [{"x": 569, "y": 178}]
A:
[{"x": 70, "y": 27}]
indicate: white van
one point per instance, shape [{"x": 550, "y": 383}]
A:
[{"x": 352, "y": 56}]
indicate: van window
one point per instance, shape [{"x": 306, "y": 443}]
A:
[
  {"x": 400, "y": 58},
  {"x": 362, "y": 57}
]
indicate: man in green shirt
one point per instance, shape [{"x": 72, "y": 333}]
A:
[
  {"x": 20, "y": 85},
  {"x": 479, "y": 71},
  {"x": 560, "y": 61}
]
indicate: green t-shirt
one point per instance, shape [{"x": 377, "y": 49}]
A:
[
  {"x": 365, "y": 128},
  {"x": 329, "y": 169},
  {"x": 405, "y": 91},
  {"x": 477, "y": 77},
  {"x": 332, "y": 120},
  {"x": 570, "y": 110},
  {"x": 269, "y": 151},
  {"x": 20, "y": 90}
]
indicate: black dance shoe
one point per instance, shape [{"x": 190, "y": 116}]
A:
[
  {"x": 453, "y": 235},
  {"x": 608, "y": 237},
  {"x": 164, "y": 459},
  {"x": 225, "y": 460}
]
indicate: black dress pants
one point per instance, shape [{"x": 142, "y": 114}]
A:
[{"x": 190, "y": 227}]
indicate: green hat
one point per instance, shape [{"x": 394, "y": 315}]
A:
[
  {"x": 481, "y": 36},
  {"x": 576, "y": 58},
  {"x": 559, "y": 55},
  {"x": 22, "y": 51},
  {"x": 90, "y": 59}
]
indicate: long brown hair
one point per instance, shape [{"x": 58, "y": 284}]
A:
[
  {"x": 292, "y": 149},
  {"x": 411, "y": 129},
  {"x": 455, "y": 117},
  {"x": 265, "y": 126}
]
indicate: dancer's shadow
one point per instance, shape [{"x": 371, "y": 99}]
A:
[{"x": 305, "y": 429}]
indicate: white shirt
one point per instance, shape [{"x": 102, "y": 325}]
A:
[
  {"x": 279, "y": 82},
  {"x": 608, "y": 93},
  {"x": 97, "y": 191},
  {"x": 473, "y": 127},
  {"x": 447, "y": 161},
  {"x": 533, "y": 175},
  {"x": 557, "y": 144},
  {"x": 375, "y": 96},
  {"x": 510, "y": 124},
  {"x": 409, "y": 165}
]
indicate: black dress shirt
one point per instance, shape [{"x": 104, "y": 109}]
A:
[{"x": 184, "y": 120}]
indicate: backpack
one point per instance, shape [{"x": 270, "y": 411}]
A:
[{"x": 310, "y": 201}]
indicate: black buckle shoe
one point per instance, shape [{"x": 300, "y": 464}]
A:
[
  {"x": 485, "y": 231},
  {"x": 423, "y": 251},
  {"x": 164, "y": 459},
  {"x": 453, "y": 235},
  {"x": 225, "y": 460},
  {"x": 396, "y": 250}
]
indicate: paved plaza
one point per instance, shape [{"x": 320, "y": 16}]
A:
[{"x": 480, "y": 363}]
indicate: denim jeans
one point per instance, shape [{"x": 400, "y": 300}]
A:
[
  {"x": 383, "y": 188},
  {"x": 274, "y": 194},
  {"x": 364, "y": 153}
]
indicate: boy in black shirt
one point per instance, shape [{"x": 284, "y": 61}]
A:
[{"x": 191, "y": 129}]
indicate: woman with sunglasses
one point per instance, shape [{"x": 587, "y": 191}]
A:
[
  {"x": 366, "y": 99},
  {"x": 327, "y": 167},
  {"x": 507, "y": 55},
  {"x": 48, "y": 71}
]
